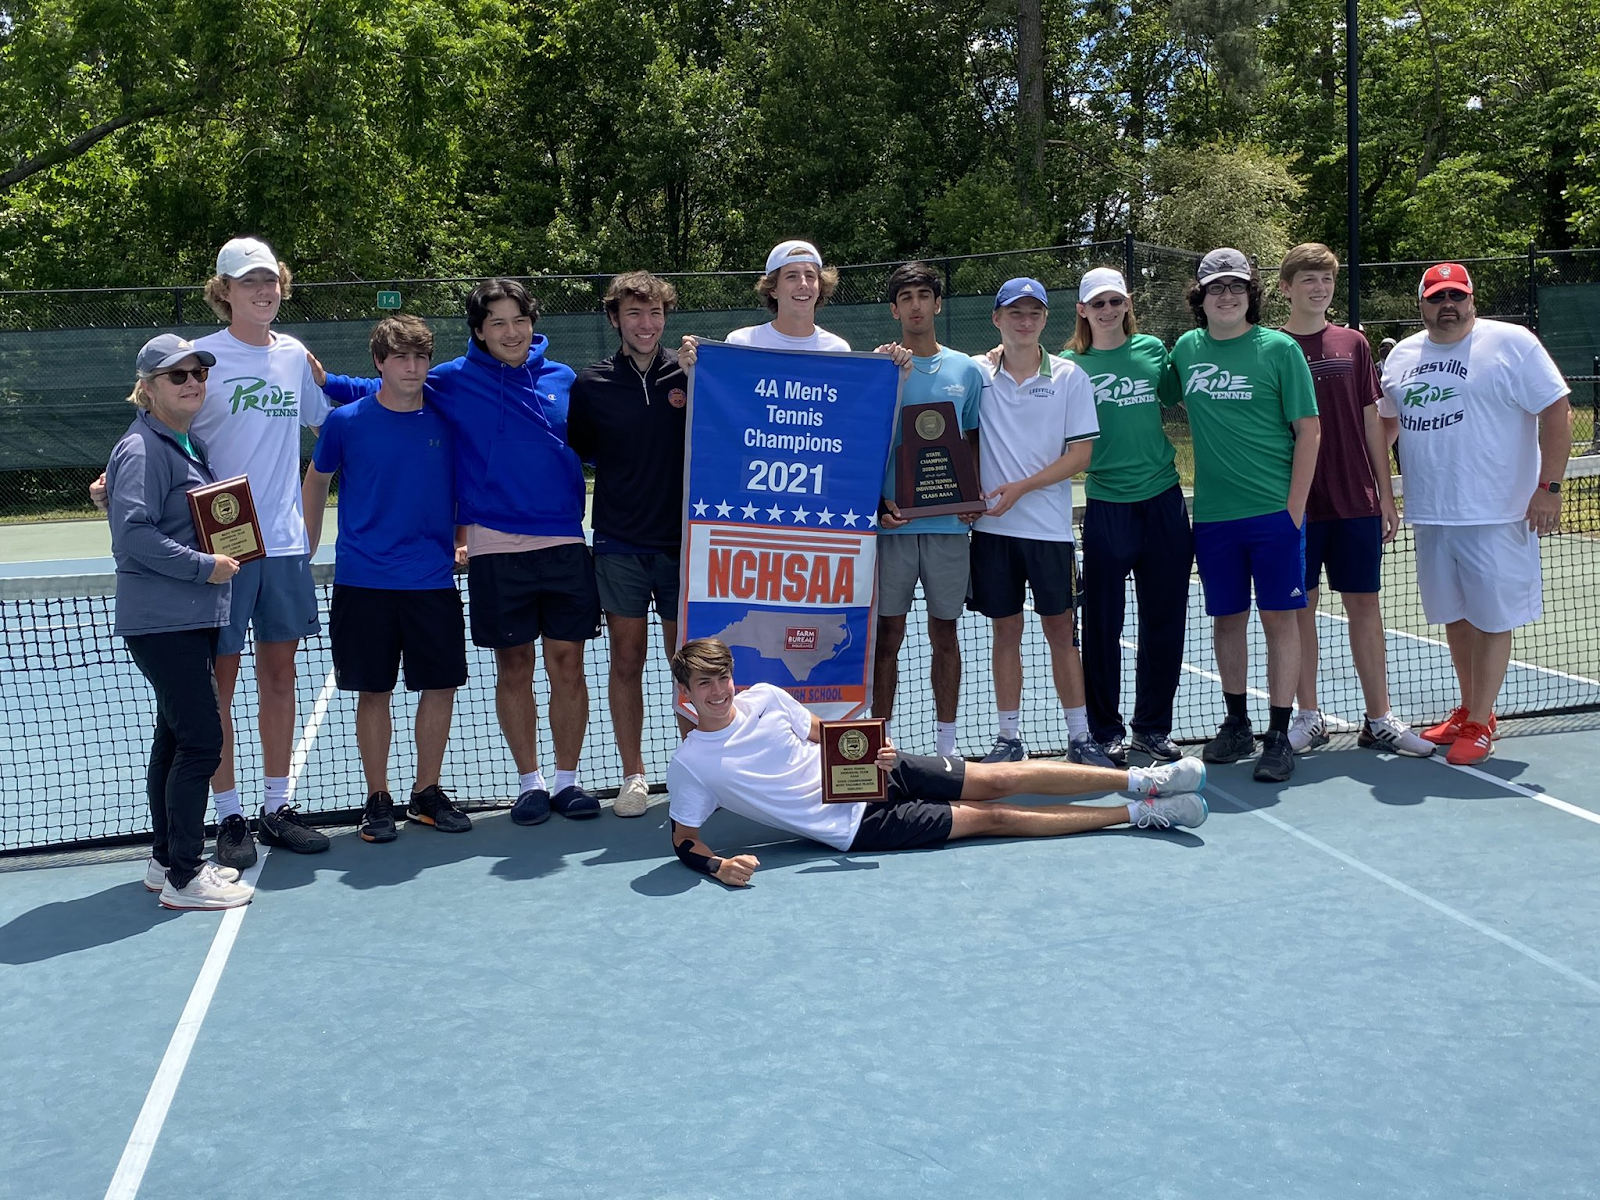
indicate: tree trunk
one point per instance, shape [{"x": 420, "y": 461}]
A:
[{"x": 1030, "y": 101}]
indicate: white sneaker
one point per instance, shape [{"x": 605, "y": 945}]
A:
[
  {"x": 1389, "y": 732},
  {"x": 633, "y": 797},
  {"x": 155, "y": 875},
  {"x": 1168, "y": 779},
  {"x": 207, "y": 890},
  {"x": 1163, "y": 812},
  {"x": 1307, "y": 731}
]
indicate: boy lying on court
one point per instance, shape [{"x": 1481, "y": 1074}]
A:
[{"x": 759, "y": 754}]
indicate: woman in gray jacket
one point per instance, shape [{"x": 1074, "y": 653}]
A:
[{"x": 171, "y": 601}]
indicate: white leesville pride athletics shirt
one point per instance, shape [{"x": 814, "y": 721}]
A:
[
  {"x": 765, "y": 337},
  {"x": 1469, "y": 424},
  {"x": 1023, "y": 428},
  {"x": 257, "y": 398},
  {"x": 764, "y": 766}
]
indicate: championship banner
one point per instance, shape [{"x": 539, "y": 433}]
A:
[{"x": 782, "y": 478}]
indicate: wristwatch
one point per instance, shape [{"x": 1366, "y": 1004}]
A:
[{"x": 1553, "y": 487}]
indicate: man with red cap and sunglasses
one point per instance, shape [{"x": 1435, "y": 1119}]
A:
[{"x": 1485, "y": 429}]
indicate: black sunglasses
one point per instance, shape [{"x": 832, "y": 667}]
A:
[
  {"x": 179, "y": 376},
  {"x": 1108, "y": 302},
  {"x": 1453, "y": 295}
]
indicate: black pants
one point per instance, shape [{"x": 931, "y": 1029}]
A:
[
  {"x": 1152, "y": 539},
  {"x": 187, "y": 747}
]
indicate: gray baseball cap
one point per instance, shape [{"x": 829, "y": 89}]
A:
[
  {"x": 1223, "y": 263},
  {"x": 161, "y": 351}
]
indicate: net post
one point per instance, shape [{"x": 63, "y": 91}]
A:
[
  {"x": 1533, "y": 288},
  {"x": 1594, "y": 406},
  {"x": 1127, "y": 257}
]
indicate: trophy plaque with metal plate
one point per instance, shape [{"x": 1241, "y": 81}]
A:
[
  {"x": 225, "y": 520},
  {"x": 934, "y": 472},
  {"x": 850, "y": 772}
]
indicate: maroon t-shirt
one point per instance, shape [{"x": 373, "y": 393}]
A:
[{"x": 1346, "y": 382}]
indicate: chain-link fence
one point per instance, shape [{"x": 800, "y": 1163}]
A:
[{"x": 66, "y": 356}]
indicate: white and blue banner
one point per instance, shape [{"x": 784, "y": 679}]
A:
[{"x": 782, "y": 478}]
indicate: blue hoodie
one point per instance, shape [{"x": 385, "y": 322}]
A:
[{"x": 514, "y": 470}]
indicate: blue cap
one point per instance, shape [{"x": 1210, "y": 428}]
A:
[{"x": 1013, "y": 290}]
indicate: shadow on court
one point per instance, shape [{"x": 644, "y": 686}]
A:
[{"x": 67, "y": 926}]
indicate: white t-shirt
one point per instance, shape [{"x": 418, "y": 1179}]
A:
[
  {"x": 1469, "y": 426},
  {"x": 764, "y": 766},
  {"x": 256, "y": 400},
  {"x": 1023, "y": 428},
  {"x": 765, "y": 337}
]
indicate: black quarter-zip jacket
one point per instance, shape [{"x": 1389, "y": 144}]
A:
[{"x": 631, "y": 426}]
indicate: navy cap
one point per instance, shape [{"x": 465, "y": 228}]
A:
[{"x": 1013, "y": 290}]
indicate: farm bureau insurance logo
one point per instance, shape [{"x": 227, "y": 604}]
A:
[
  {"x": 252, "y": 393},
  {"x": 1208, "y": 379},
  {"x": 1112, "y": 388}
]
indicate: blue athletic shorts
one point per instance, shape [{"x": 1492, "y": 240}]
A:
[
  {"x": 1268, "y": 549},
  {"x": 277, "y": 597},
  {"x": 1352, "y": 550}
]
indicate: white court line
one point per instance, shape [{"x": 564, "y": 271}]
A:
[
  {"x": 1517, "y": 788},
  {"x": 1405, "y": 889},
  {"x": 158, "y": 1101}
]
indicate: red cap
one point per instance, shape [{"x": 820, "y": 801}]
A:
[{"x": 1444, "y": 275}]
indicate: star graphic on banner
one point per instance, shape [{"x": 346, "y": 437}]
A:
[
  {"x": 749, "y": 511},
  {"x": 825, "y": 517},
  {"x": 775, "y": 514},
  {"x": 850, "y": 517},
  {"x": 699, "y": 508},
  {"x": 800, "y": 515},
  {"x": 724, "y": 509},
  {"x": 872, "y": 520}
]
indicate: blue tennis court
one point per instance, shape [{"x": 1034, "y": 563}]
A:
[{"x": 1381, "y": 979}]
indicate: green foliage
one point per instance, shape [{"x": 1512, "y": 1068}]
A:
[{"x": 397, "y": 138}]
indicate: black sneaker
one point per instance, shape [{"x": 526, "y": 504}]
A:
[
  {"x": 377, "y": 819},
  {"x": 1157, "y": 745},
  {"x": 1276, "y": 763},
  {"x": 431, "y": 806},
  {"x": 574, "y": 802},
  {"x": 235, "y": 847},
  {"x": 287, "y": 828},
  {"x": 1006, "y": 750},
  {"x": 1234, "y": 741}
]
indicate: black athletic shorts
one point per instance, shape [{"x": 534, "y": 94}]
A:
[
  {"x": 520, "y": 598},
  {"x": 1002, "y": 567},
  {"x": 917, "y": 813},
  {"x": 373, "y": 629}
]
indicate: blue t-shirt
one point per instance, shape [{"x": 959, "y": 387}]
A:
[
  {"x": 397, "y": 507},
  {"x": 947, "y": 375}
]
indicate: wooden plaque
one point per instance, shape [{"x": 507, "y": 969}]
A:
[
  {"x": 934, "y": 471},
  {"x": 850, "y": 761},
  {"x": 225, "y": 520}
]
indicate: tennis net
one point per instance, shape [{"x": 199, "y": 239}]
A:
[{"x": 76, "y": 715}]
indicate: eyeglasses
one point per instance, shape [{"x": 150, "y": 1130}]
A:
[
  {"x": 1236, "y": 287},
  {"x": 1108, "y": 302},
  {"x": 1453, "y": 295},
  {"x": 179, "y": 376}
]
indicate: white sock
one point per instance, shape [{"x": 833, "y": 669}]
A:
[
  {"x": 947, "y": 737},
  {"x": 277, "y": 793},
  {"x": 1010, "y": 723},
  {"x": 532, "y": 781},
  {"x": 641, "y": 778},
  {"x": 1138, "y": 782},
  {"x": 1077, "y": 722},
  {"x": 1133, "y": 812},
  {"x": 228, "y": 804},
  {"x": 564, "y": 780}
]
